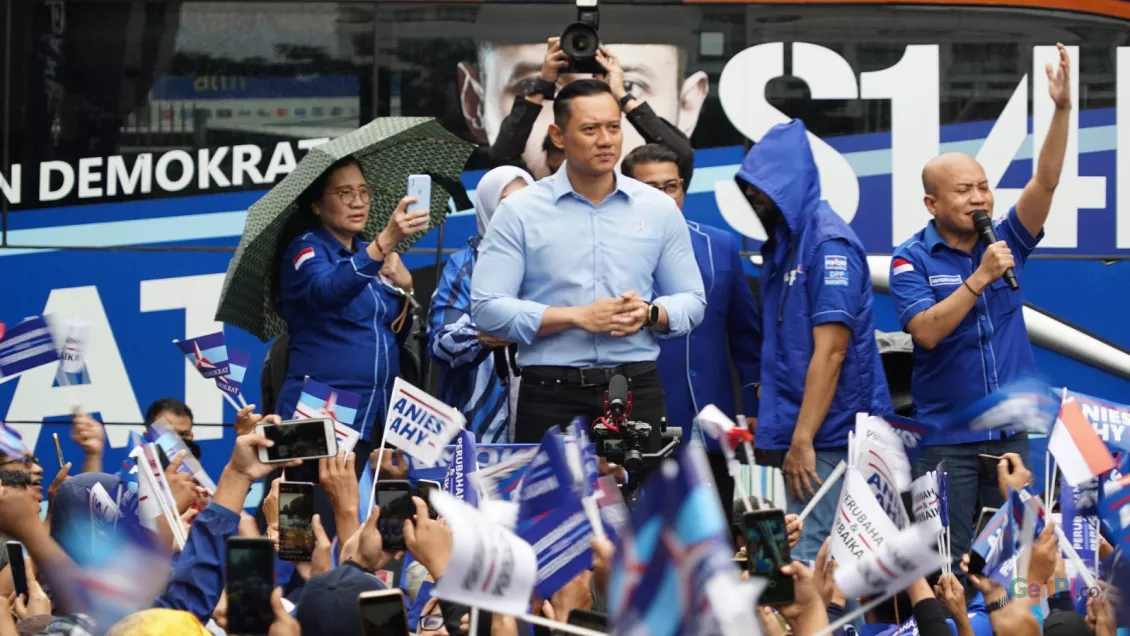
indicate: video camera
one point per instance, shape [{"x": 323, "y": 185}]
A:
[
  {"x": 637, "y": 446},
  {"x": 580, "y": 40}
]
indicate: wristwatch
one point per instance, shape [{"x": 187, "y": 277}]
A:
[
  {"x": 543, "y": 88},
  {"x": 997, "y": 604},
  {"x": 625, "y": 99},
  {"x": 652, "y": 314}
]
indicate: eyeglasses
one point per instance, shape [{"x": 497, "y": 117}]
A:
[
  {"x": 349, "y": 195},
  {"x": 28, "y": 461},
  {"x": 431, "y": 623},
  {"x": 671, "y": 187}
]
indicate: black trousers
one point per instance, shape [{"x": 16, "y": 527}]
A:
[{"x": 553, "y": 396}]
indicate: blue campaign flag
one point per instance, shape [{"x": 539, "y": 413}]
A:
[
  {"x": 209, "y": 354},
  {"x": 997, "y": 546},
  {"x": 546, "y": 479},
  {"x": 678, "y": 543},
  {"x": 322, "y": 400},
  {"x": 237, "y": 367},
  {"x": 1114, "y": 511},
  {"x": 562, "y": 541},
  {"x": 1028, "y": 404},
  {"x": 463, "y": 463},
  {"x": 365, "y": 487},
  {"x": 912, "y": 433},
  {"x": 26, "y": 346},
  {"x": 589, "y": 465},
  {"x": 1079, "y": 527},
  {"x": 11, "y": 442}
]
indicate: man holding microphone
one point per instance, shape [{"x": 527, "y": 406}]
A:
[
  {"x": 955, "y": 295},
  {"x": 565, "y": 268}
]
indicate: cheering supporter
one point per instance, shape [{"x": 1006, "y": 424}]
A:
[{"x": 960, "y": 300}]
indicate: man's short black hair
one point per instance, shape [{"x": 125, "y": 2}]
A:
[
  {"x": 645, "y": 154},
  {"x": 563, "y": 103},
  {"x": 548, "y": 147},
  {"x": 171, "y": 405}
]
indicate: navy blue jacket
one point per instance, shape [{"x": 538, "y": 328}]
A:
[
  {"x": 815, "y": 272},
  {"x": 339, "y": 316},
  {"x": 695, "y": 369}
]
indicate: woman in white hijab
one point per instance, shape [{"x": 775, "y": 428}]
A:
[{"x": 475, "y": 369}]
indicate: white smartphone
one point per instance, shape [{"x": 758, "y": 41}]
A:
[
  {"x": 420, "y": 186},
  {"x": 298, "y": 439}
]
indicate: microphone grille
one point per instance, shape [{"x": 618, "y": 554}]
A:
[{"x": 981, "y": 219}]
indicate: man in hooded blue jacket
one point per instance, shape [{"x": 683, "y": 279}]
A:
[{"x": 820, "y": 364}]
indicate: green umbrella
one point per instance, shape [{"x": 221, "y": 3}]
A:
[{"x": 389, "y": 150}]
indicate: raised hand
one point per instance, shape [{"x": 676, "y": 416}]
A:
[{"x": 1059, "y": 79}]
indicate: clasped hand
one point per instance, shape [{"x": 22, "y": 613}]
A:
[{"x": 620, "y": 317}]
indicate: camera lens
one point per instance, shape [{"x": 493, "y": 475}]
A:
[
  {"x": 581, "y": 44},
  {"x": 633, "y": 461}
]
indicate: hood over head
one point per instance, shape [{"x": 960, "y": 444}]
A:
[{"x": 782, "y": 166}]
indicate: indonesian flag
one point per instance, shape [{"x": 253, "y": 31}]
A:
[
  {"x": 1078, "y": 450},
  {"x": 901, "y": 265},
  {"x": 303, "y": 256}
]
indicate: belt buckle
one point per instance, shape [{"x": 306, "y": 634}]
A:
[{"x": 592, "y": 371}]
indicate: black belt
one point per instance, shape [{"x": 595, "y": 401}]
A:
[{"x": 587, "y": 377}]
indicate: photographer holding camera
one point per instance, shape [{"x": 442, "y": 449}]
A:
[
  {"x": 567, "y": 269},
  {"x": 577, "y": 52}
]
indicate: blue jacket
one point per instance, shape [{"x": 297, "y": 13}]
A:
[
  {"x": 339, "y": 316},
  {"x": 815, "y": 272},
  {"x": 695, "y": 369},
  {"x": 467, "y": 377}
]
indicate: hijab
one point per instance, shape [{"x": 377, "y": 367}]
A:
[{"x": 489, "y": 192}]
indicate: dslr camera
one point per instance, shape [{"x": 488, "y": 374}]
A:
[
  {"x": 637, "y": 446},
  {"x": 580, "y": 40}
]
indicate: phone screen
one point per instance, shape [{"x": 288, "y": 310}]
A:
[
  {"x": 296, "y": 518},
  {"x": 250, "y": 581},
  {"x": 395, "y": 500},
  {"x": 588, "y": 619},
  {"x": 16, "y": 561},
  {"x": 983, "y": 520},
  {"x": 297, "y": 441},
  {"x": 426, "y": 486},
  {"x": 767, "y": 551},
  {"x": 383, "y": 615}
]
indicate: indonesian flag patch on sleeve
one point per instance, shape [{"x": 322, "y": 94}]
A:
[
  {"x": 898, "y": 266},
  {"x": 303, "y": 256}
]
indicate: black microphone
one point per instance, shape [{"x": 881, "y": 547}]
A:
[
  {"x": 617, "y": 395},
  {"x": 984, "y": 226}
]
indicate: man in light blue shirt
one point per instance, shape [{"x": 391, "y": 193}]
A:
[{"x": 566, "y": 268}]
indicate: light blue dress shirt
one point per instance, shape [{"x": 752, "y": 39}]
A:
[{"x": 549, "y": 247}]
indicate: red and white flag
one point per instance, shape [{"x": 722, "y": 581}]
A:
[
  {"x": 302, "y": 256},
  {"x": 900, "y": 266},
  {"x": 1077, "y": 449}
]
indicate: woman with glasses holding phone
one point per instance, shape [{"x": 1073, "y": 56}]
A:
[{"x": 345, "y": 301}]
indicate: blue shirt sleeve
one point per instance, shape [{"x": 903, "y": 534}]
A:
[
  {"x": 198, "y": 579},
  {"x": 743, "y": 326},
  {"x": 495, "y": 306},
  {"x": 835, "y": 284},
  {"x": 309, "y": 275},
  {"x": 1020, "y": 242},
  {"x": 677, "y": 279},
  {"x": 910, "y": 291},
  {"x": 452, "y": 337}
]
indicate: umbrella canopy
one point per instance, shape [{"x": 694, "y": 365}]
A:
[{"x": 389, "y": 149}]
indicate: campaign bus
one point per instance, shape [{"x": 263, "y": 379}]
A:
[{"x": 136, "y": 135}]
